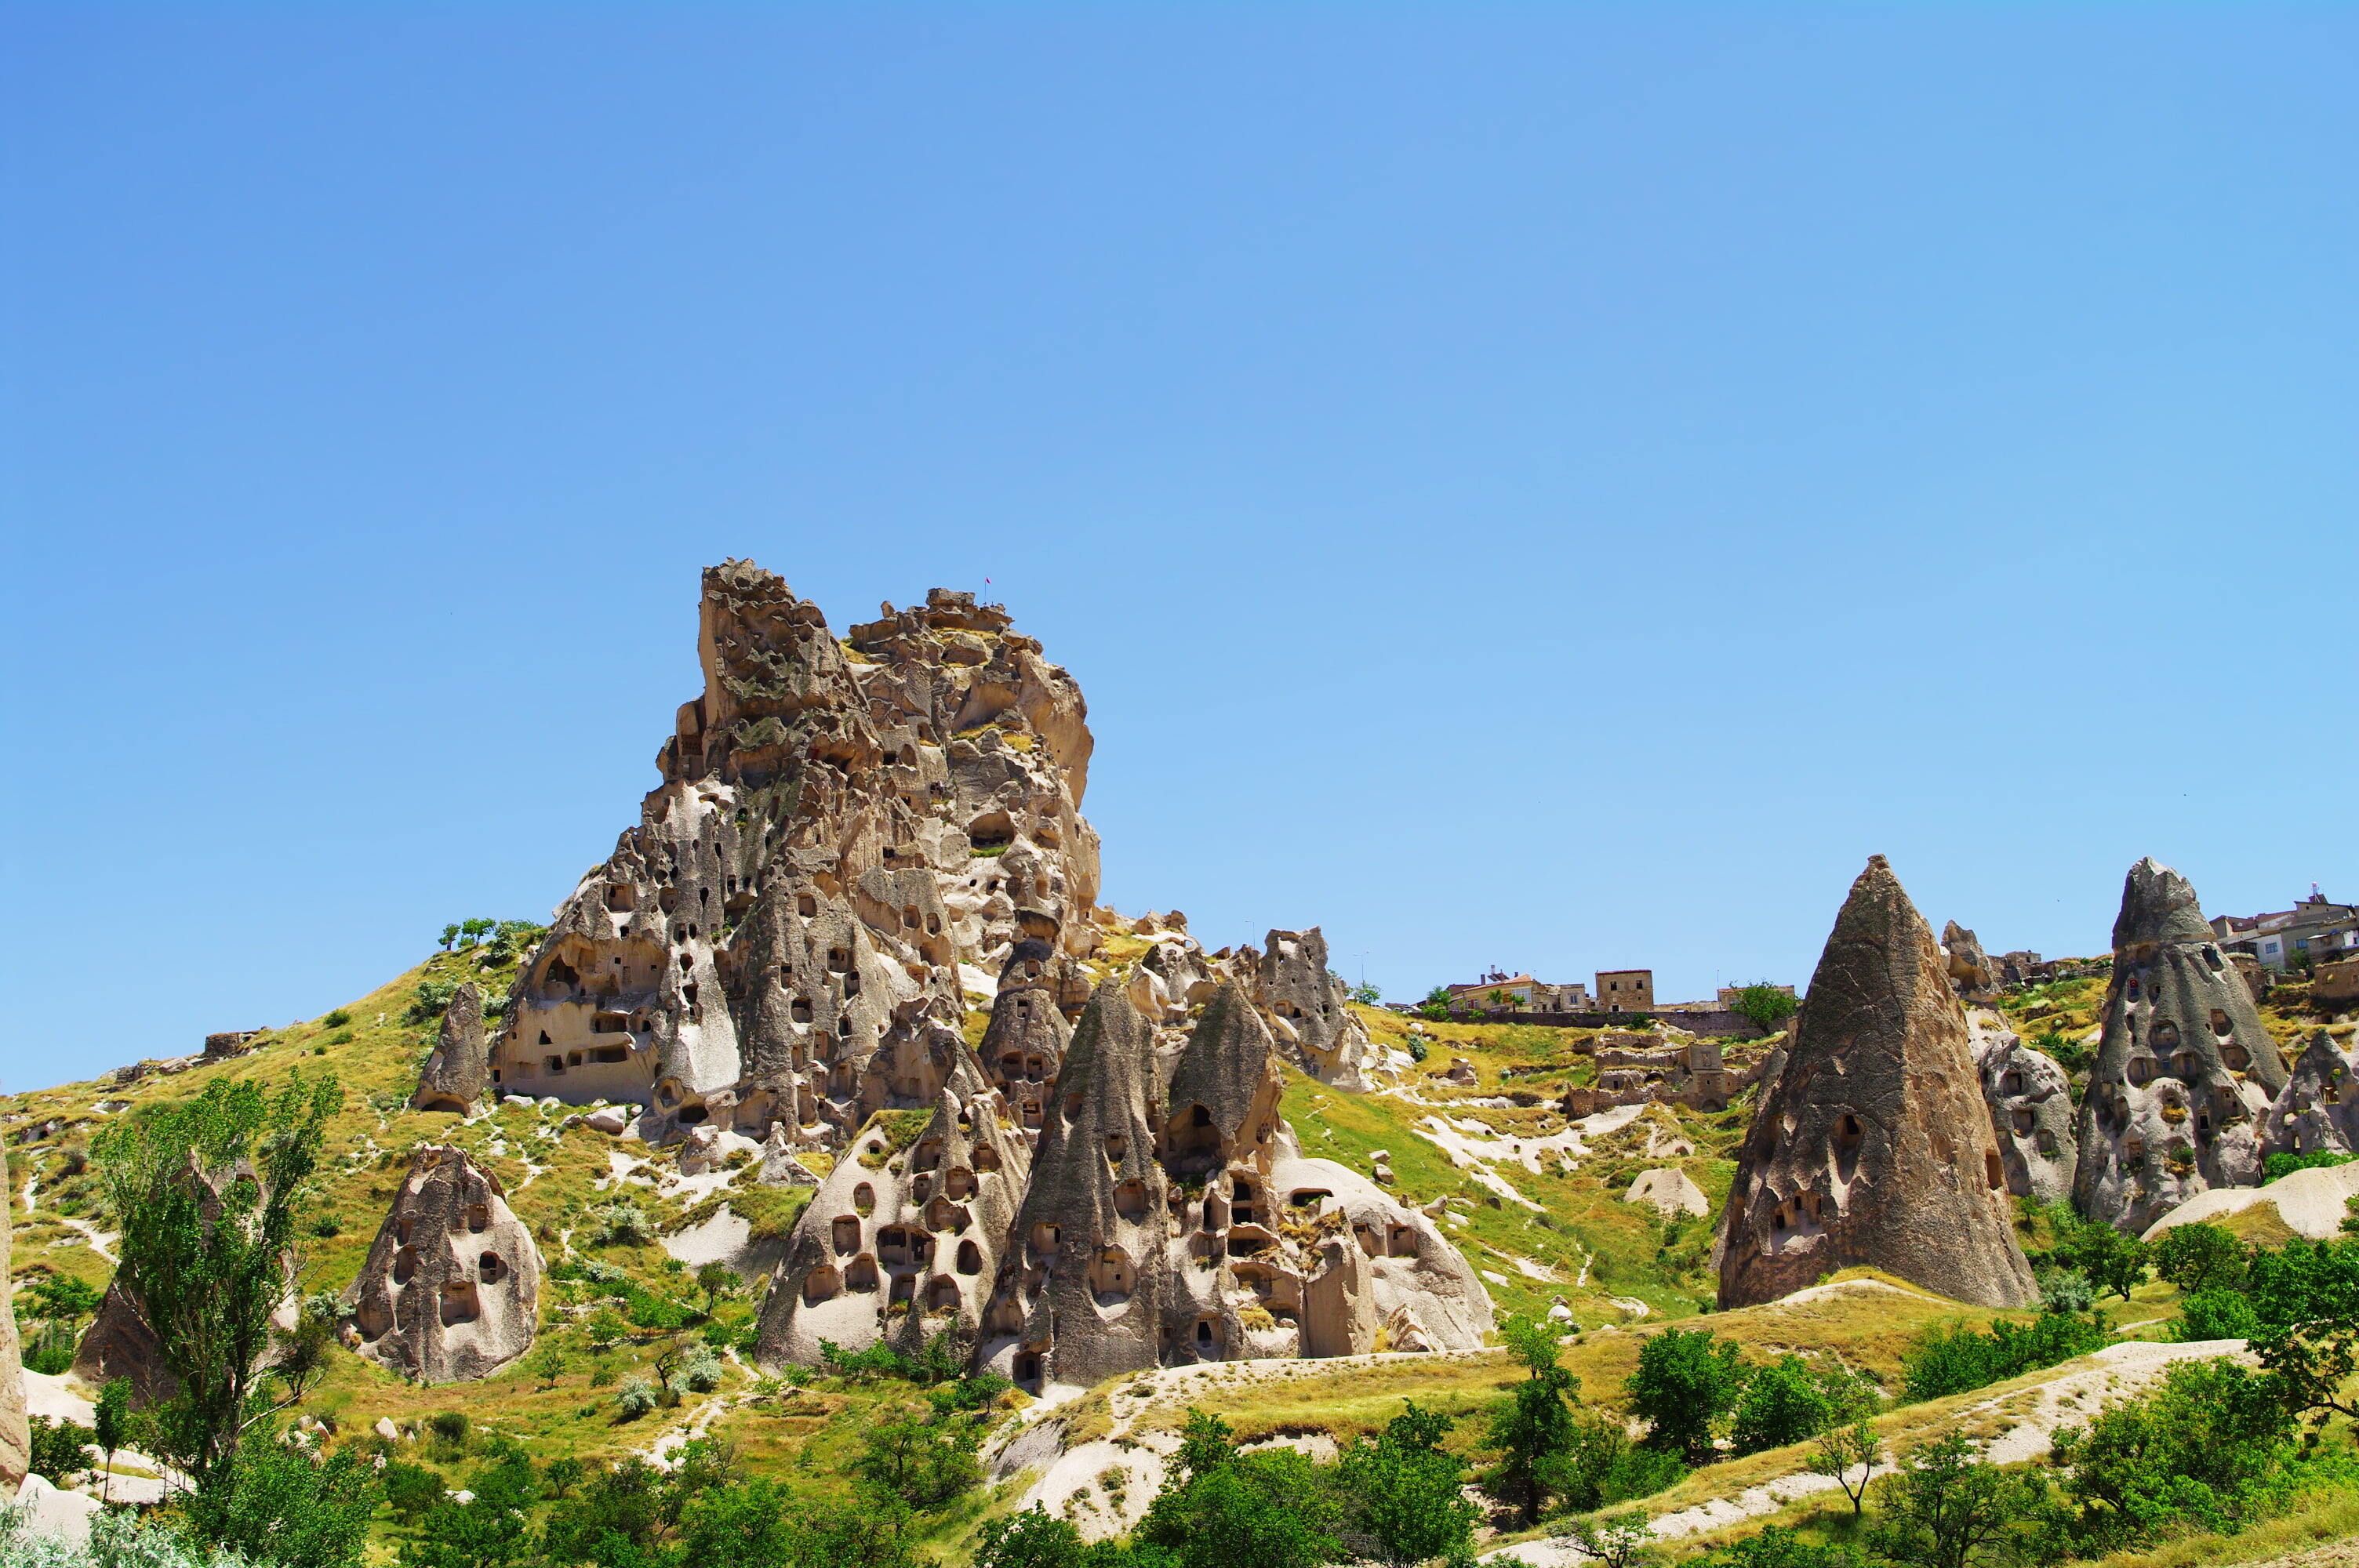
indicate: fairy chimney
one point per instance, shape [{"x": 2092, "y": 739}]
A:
[
  {"x": 2185, "y": 1070},
  {"x": 1873, "y": 1147},
  {"x": 2318, "y": 1109},
  {"x": 15, "y": 1431},
  {"x": 450, "y": 1289},
  {"x": 458, "y": 1076},
  {"x": 2030, "y": 1102}
]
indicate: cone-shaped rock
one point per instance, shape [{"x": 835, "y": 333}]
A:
[
  {"x": 2319, "y": 1107},
  {"x": 2030, "y": 1101},
  {"x": 15, "y": 1431},
  {"x": 458, "y": 1076},
  {"x": 902, "y": 1243},
  {"x": 1308, "y": 1012},
  {"x": 1082, "y": 1294},
  {"x": 451, "y": 1291},
  {"x": 2185, "y": 1071},
  {"x": 1874, "y": 1146}
]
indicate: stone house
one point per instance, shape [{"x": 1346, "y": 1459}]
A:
[
  {"x": 1626, "y": 991},
  {"x": 2316, "y": 930}
]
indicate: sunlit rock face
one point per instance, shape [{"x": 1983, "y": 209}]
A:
[
  {"x": 2185, "y": 1071},
  {"x": 1873, "y": 1145}
]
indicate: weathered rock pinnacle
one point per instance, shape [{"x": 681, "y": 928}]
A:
[
  {"x": 458, "y": 1076},
  {"x": 2185, "y": 1070},
  {"x": 451, "y": 1291},
  {"x": 1873, "y": 1147},
  {"x": 15, "y": 1433}
]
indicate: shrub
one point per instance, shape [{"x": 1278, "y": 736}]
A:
[
  {"x": 700, "y": 1372},
  {"x": 1948, "y": 1508},
  {"x": 449, "y": 1426},
  {"x": 289, "y": 1508},
  {"x": 60, "y": 1448},
  {"x": 618, "y": 1222},
  {"x": 1956, "y": 1360},
  {"x": 1686, "y": 1384},
  {"x": 428, "y": 1001},
  {"x": 116, "y": 1540},
  {"x": 336, "y": 1020},
  {"x": 2217, "y": 1315},
  {"x": 637, "y": 1397},
  {"x": 2279, "y": 1166},
  {"x": 409, "y": 1489},
  {"x": 2198, "y": 1258},
  {"x": 51, "y": 1351},
  {"x": 1789, "y": 1401},
  {"x": 1777, "y": 1547}
]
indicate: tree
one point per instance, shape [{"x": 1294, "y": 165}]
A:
[
  {"x": 1403, "y": 1491},
  {"x": 1783, "y": 1402},
  {"x": 2197, "y": 1451},
  {"x": 289, "y": 1509},
  {"x": 450, "y": 935},
  {"x": 1437, "y": 1002},
  {"x": 210, "y": 1193},
  {"x": 1033, "y": 1539},
  {"x": 472, "y": 931},
  {"x": 1687, "y": 1382},
  {"x": 1533, "y": 1426},
  {"x": 716, "y": 1279},
  {"x": 303, "y": 1352},
  {"x": 1764, "y": 1006},
  {"x": 110, "y": 1425},
  {"x": 1220, "y": 1508},
  {"x": 2199, "y": 1257},
  {"x": 1617, "y": 1540},
  {"x": 925, "y": 1463},
  {"x": 2305, "y": 1296},
  {"x": 1947, "y": 1506},
  {"x": 1845, "y": 1449}
]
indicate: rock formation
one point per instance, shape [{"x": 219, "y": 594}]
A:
[
  {"x": 15, "y": 1433},
  {"x": 2319, "y": 1107},
  {"x": 1309, "y": 1010},
  {"x": 458, "y": 1076},
  {"x": 451, "y": 1291},
  {"x": 1165, "y": 1217},
  {"x": 1668, "y": 1191},
  {"x": 1871, "y": 1146},
  {"x": 2184, "y": 1071},
  {"x": 2030, "y": 1101},
  {"x": 906, "y": 1235},
  {"x": 843, "y": 828},
  {"x": 1971, "y": 969}
]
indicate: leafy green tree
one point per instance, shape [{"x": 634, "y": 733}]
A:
[
  {"x": 1686, "y": 1384},
  {"x": 1533, "y": 1428},
  {"x": 2200, "y": 1450},
  {"x": 923, "y": 1463},
  {"x": 410, "y": 1490},
  {"x": 1783, "y": 1402},
  {"x": 2199, "y": 1257},
  {"x": 1367, "y": 995},
  {"x": 2305, "y": 1298},
  {"x": 1600, "y": 1467},
  {"x": 2217, "y": 1315},
  {"x": 285, "y": 1507},
  {"x": 1947, "y": 1506},
  {"x": 1777, "y": 1547},
  {"x": 1764, "y": 1006},
  {"x": 205, "y": 1283},
  {"x": 716, "y": 1279},
  {"x": 472, "y": 931},
  {"x": 110, "y": 1425},
  {"x": 450, "y": 935},
  {"x": 1220, "y": 1508},
  {"x": 1437, "y": 1003},
  {"x": 1403, "y": 1492},
  {"x": 1857, "y": 1447},
  {"x": 1033, "y": 1539},
  {"x": 60, "y": 1298},
  {"x": 1953, "y": 1359},
  {"x": 59, "y": 1448}
]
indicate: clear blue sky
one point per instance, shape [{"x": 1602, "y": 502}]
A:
[{"x": 1555, "y": 486}]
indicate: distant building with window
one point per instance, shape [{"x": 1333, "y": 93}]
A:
[
  {"x": 1521, "y": 993},
  {"x": 2315, "y": 931},
  {"x": 1626, "y": 991}
]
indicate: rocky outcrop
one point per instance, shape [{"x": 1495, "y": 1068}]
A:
[
  {"x": 458, "y": 1074},
  {"x": 451, "y": 1291},
  {"x": 15, "y": 1433},
  {"x": 119, "y": 1344},
  {"x": 2318, "y": 1109},
  {"x": 1971, "y": 969},
  {"x": 1309, "y": 1010},
  {"x": 1668, "y": 1191},
  {"x": 844, "y": 828},
  {"x": 2185, "y": 1071},
  {"x": 906, "y": 1236},
  {"x": 2030, "y": 1101},
  {"x": 1872, "y": 1147}
]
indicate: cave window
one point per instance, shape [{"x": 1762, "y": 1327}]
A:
[
  {"x": 1991, "y": 1173},
  {"x": 488, "y": 1268},
  {"x": 545, "y": 1039}
]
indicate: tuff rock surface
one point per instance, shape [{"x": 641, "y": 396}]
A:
[
  {"x": 2185, "y": 1071},
  {"x": 2030, "y": 1100},
  {"x": 1871, "y": 1145},
  {"x": 2319, "y": 1107},
  {"x": 16, "y": 1432},
  {"x": 1971, "y": 968},
  {"x": 458, "y": 1074},
  {"x": 450, "y": 1289}
]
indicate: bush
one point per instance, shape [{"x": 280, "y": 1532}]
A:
[
  {"x": 2198, "y": 1258},
  {"x": 1789, "y": 1401},
  {"x": 116, "y": 1540},
  {"x": 1686, "y": 1384},
  {"x": 1777, "y": 1547},
  {"x": 409, "y": 1489},
  {"x": 701, "y": 1373},
  {"x": 60, "y": 1448},
  {"x": 2279, "y": 1166},
  {"x": 1956, "y": 1360},
  {"x": 49, "y": 1351},
  {"x": 2217, "y": 1315},
  {"x": 336, "y": 1020},
  {"x": 618, "y": 1222},
  {"x": 637, "y": 1397},
  {"x": 449, "y": 1426},
  {"x": 289, "y": 1509},
  {"x": 430, "y": 1001},
  {"x": 1764, "y": 1006}
]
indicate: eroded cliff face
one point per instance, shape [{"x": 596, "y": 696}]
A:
[
  {"x": 2185, "y": 1071},
  {"x": 15, "y": 1431},
  {"x": 451, "y": 1291},
  {"x": 843, "y": 830}
]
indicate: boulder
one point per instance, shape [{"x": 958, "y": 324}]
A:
[
  {"x": 450, "y": 1289},
  {"x": 15, "y": 1430},
  {"x": 612, "y": 1120},
  {"x": 701, "y": 1150},
  {"x": 457, "y": 1077},
  {"x": 1668, "y": 1191},
  {"x": 2311, "y": 1203},
  {"x": 1871, "y": 1147},
  {"x": 1462, "y": 1071},
  {"x": 2030, "y": 1101},
  {"x": 779, "y": 1166},
  {"x": 2185, "y": 1071}
]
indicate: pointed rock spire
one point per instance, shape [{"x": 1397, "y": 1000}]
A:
[
  {"x": 458, "y": 1076},
  {"x": 1873, "y": 1146},
  {"x": 2319, "y": 1107},
  {"x": 450, "y": 1289},
  {"x": 2185, "y": 1070}
]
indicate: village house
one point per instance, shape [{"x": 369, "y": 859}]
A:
[
  {"x": 1626, "y": 991},
  {"x": 1521, "y": 993},
  {"x": 2315, "y": 931}
]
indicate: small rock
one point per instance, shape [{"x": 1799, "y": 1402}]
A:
[
  {"x": 387, "y": 1430},
  {"x": 608, "y": 1120},
  {"x": 521, "y": 1102}
]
